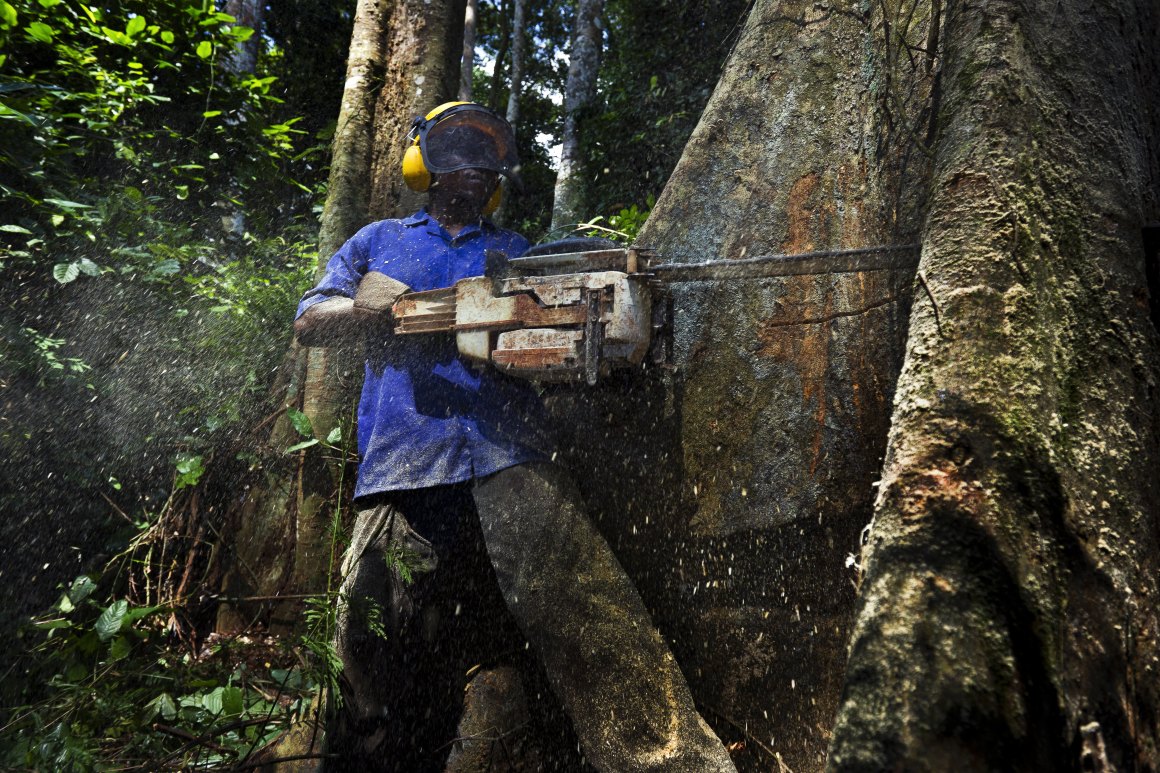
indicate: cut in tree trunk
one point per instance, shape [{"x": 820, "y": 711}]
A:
[
  {"x": 579, "y": 94},
  {"x": 1009, "y": 609}
]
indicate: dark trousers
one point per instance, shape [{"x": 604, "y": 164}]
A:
[{"x": 429, "y": 580}]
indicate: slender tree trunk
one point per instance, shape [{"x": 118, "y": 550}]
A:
[
  {"x": 500, "y": 56},
  {"x": 1009, "y": 611},
  {"x": 249, "y": 13},
  {"x": 519, "y": 21},
  {"x": 467, "y": 65},
  {"x": 579, "y": 93}
]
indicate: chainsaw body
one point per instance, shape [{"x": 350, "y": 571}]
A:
[{"x": 560, "y": 317}]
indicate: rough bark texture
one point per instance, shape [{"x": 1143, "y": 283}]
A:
[
  {"x": 735, "y": 489},
  {"x": 579, "y": 92},
  {"x": 422, "y": 71},
  {"x": 1009, "y": 609}
]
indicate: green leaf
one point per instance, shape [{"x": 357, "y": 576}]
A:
[
  {"x": 88, "y": 268},
  {"x": 233, "y": 700},
  {"x": 135, "y": 26},
  {"x": 204, "y": 49},
  {"x": 116, "y": 36},
  {"x": 300, "y": 446},
  {"x": 57, "y": 220},
  {"x": 109, "y": 623},
  {"x": 211, "y": 113},
  {"x": 65, "y": 272},
  {"x": 49, "y": 3},
  {"x": 166, "y": 36},
  {"x": 163, "y": 704},
  {"x": 189, "y": 470},
  {"x": 119, "y": 649},
  {"x": 166, "y": 267},
  {"x": 15, "y": 229},
  {"x": 300, "y": 422},
  {"x": 81, "y": 588},
  {"x": 48, "y": 625},
  {"x": 335, "y": 436},
  {"x": 212, "y": 701},
  {"x": 66, "y": 204},
  {"x": 7, "y": 15},
  {"x": 40, "y": 31}
]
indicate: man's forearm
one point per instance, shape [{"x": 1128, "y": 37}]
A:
[
  {"x": 345, "y": 320},
  {"x": 331, "y": 322}
]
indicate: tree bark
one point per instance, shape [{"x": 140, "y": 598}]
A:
[
  {"x": 422, "y": 71},
  {"x": 519, "y": 22},
  {"x": 579, "y": 93},
  {"x": 1008, "y": 615}
]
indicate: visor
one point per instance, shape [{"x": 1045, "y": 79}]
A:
[{"x": 470, "y": 137}]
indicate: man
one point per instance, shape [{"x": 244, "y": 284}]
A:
[{"x": 452, "y": 460}]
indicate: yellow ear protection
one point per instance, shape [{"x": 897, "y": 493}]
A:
[{"x": 416, "y": 171}]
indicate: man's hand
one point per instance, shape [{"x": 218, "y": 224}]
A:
[
  {"x": 377, "y": 293},
  {"x": 345, "y": 320}
]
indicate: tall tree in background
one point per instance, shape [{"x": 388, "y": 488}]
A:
[
  {"x": 467, "y": 64},
  {"x": 579, "y": 95},
  {"x": 248, "y": 13}
]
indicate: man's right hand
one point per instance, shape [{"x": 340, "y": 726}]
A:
[{"x": 346, "y": 320}]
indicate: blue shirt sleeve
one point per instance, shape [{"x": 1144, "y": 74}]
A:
[{"x": 343, "y": 272}]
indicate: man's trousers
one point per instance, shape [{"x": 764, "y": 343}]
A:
[{"x": 427, "y": 578}]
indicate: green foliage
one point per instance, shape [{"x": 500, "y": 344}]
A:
[{"x": 108, "y": 687}]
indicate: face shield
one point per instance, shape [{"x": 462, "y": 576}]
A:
[{"x": 469, "y": 137}]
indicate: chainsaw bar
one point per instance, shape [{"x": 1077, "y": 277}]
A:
[
  {"x": 636, "y": 261},
  {"x": 845, "y": 261}
]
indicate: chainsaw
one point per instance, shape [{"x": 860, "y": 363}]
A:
[{"x": 576, "y": 309}]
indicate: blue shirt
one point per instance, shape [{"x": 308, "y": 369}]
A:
[{"x": 426, "y": 416}]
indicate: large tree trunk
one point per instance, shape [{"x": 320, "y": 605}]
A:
[
  {"x": 1009, "y": 612},
  {"x": 579, "y": 93},
  {"x": 736, "y": 489}
]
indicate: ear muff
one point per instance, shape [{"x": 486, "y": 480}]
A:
[
  {"x": 415, "y": 172},
  {"x": 493, "y": 203}
]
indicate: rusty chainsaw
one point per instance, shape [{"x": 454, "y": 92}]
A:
[{"x": 576, "y": 309}]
